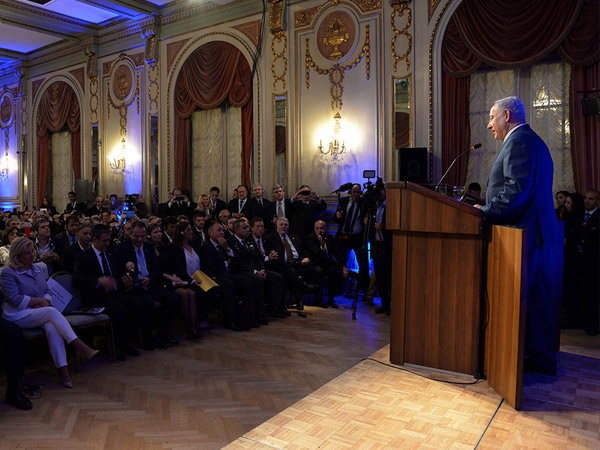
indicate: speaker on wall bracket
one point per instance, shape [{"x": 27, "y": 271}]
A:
[{"x": 413, "y": 164}]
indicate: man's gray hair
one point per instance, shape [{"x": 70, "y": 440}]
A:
[
  {"x": 514, "y": 105},
  {"x": 281, "y": 219},
  {"x": 276, "y": 186}
]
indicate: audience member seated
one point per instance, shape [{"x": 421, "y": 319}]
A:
[
  {"x": 279, "y": 207},
  {"x": 474, "y": 189},
  {"x": 143, "y": 275},
  {"x": 292, "y": 253},
  {"x": 47, "y": 205},
  {"x": 249, "y": 263},
  {"x": 198, "y": 228},
  {"x": 8, "y": 236},
  {"x": 84, "y": 235},
  {"x": 46, "y": 249},
  {"x": 258, "y": 205},
  {"x": 73, "y": 205},
  {"x": 561, "y": 210},
  {"x": 27, "y": 304},
  {"x": 203, "y": 204},
  {"x": 11, "y": 336},
  {"x": 96, "y": 275},
  {"x": 68, "y": 236},
  {"x": 115, "y": 206},
  {"x": 325, "y": 253},
  {"x": 307, "y": 206},
  {"x": 97, "y": 209},
  {"x": 169, "y": 225},
  {"x": 240, "y": 206},
  {"x": 216, "y": 257}
]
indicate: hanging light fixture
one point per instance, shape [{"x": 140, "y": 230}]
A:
[
  {"x": 4, "y": 172},
  {"x": 118, "y": 165}
]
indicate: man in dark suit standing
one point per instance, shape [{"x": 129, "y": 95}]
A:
[
  {"x": 97, "y": 209},
  {"x": 257, "y": 204},
  {"x": 590, "y": 255},
  {"x": 179, "y": 205},
  {"x": 279, "y": 207},
  {"x": 307, "y": 206},
  {"x": 241, "y": 205},
  {"x": 96, "y": 275},
  {"x": 381, "y": 250},
  {"x": 137, "y": 260},
  {"x": 215, "y": 204},
  {"x": 519, "y": 194},
  {"x": 73, "y": 206}
]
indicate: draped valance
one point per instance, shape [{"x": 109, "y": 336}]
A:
[{"x": 214, "y": 74}]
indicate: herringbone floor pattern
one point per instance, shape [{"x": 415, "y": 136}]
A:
[{"x": 199, "y": 395}]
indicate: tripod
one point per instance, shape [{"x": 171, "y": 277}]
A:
[{"x": 363, "y": 264}]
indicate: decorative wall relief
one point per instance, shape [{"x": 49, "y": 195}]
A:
[
  {"x": 250, "y": 29},
  {"x": 400, "y": 8},
  {"x": 335, "y": 39},
  {"x": 7, "y": 117},
  {"x": 92, "y": 73},
  {"x": 279, "y": 43},
  {"x": 431, "y": 7},
  {"x": 20, "y": 72}
]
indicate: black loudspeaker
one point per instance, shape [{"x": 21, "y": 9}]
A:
[
  {"x": 590, "y": 106},
  {"x": 413, "y": 164}
]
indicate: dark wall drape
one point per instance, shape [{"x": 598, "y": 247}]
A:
[
  {"x": 58, "y": 107},
  {"x": 513, "y": 34},
  {"x": 213, "y": 74}
]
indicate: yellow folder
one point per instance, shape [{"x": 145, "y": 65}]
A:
[{"x": 204, "y": 281}]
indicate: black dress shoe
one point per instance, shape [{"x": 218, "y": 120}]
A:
[
  {"x": 170, "y": 340},
  {"x": 332, "y": 304},
  {"x": 120, "y": 356},
  {"x": 285, "y": 312},
  {"x": 299, "y": 305},
  {"x": 233, "y": 326},
  {"x": 130, "y": 350},
  {"x": 18, "y": 400},
  {"x": 533, "y": 364}
]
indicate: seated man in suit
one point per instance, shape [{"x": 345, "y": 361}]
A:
[
  {"x": 279, "y": 207},
  {"x": 97, "y": 209},
  {"x": 73, "y": 206},
  {"x": 96, "y": 275},
  {"x": 68, "y": 236},
  {"x": 240, "y": 206},
  {"x": 198, "y": 222},
  {"x": 84, "y": 235},
  {"x": 307, "y": 206},
  {"x": 216, "y": 205},
  {"x": 324, "y": 252},
  {"x": 291, "y": 252},
  {"x": 46, "y": 247},
  {"x": 250, "y": 263},
  {"x": 215, "y": 259},
  {"x": 137, "y": 260}
]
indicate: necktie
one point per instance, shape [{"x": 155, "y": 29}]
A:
[
  {"x": 105, "y": 266},
  {"x": 260, "y": 204},
  {"x": 586, "y": 217},
  {"x": 289, "y": 255},
  {"x": 143, "y": 270},
  {"x": 260, "y": 247},
  {"x": 241, "y": 205},
  {"x": 349, "y": 223},
  {"x": 280, "y": 209}
]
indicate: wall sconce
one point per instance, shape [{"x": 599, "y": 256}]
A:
[
  {"x": 118, "y": 166},
  {"x": 334, "y": 149},
  {"x": 4, "y": 172}
]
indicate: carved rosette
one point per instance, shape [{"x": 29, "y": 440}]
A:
[
  {"x": 399, "y": 9},
  {"x": 7, "y": 109}
]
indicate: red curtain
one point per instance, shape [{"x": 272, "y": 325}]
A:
[
  {"x": 58, "y": 107},
  {"x": 512, "y": 34},
  {"x": 213, "y": 74}
]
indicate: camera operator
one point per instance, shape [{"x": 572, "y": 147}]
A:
[
  {"x": 349, "y": 217},
  {"x": 381, "y": 248},
  {"x": 307, "y": 206},
  {"x": 180, "y": 204}
]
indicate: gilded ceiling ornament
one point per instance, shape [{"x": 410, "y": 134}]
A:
[
  {"x": 368, "y": 5},
  {"x": 276, "y": 21},
  {"x": 400, "y": 8},
  {"x": 20, "y": 73},
  {"x": 305, "y": 17},
  {"x": 336, "y": 72},
  {"x": 92, "y": 62}
]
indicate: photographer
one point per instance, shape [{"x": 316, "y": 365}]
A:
[
  {"x": 307, "y": 206},
  {"x": 381, "y": 248},
  {"x": 180, "y": 204}
]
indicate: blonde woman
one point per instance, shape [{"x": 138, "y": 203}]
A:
[{"x": 27, "y": 304}]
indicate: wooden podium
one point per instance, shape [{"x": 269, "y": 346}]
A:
[{"x": 437, "y": 266}]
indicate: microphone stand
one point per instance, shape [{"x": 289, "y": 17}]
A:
[{"x": 452, "y": 165}]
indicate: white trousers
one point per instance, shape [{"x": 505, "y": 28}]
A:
[{"x": 56, "y": 327}]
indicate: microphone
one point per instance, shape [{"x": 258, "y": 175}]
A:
[
  {"x": 344, "y": 187},
  {"x": 476, "y": 146}
]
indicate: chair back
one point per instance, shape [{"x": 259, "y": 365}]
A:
[{"x": 65, "y": 279}]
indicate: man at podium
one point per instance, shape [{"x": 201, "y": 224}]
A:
[{"x": 519, "y": 194}]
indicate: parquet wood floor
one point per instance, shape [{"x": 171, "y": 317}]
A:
[
  {"x": 200, "y": 395},
  {"x": 372, "y": 406}
]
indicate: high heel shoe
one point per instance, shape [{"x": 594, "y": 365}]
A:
[
  {"x": 67, "y": 384},
  {"x": 90, "y": 355}
]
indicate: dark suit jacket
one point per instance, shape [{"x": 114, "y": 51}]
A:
[
  {"x": 519, "y": 191},
  {"x": 319, "y": 256},
  {"x": 234, "y": 207},
  {"x": 177, "y": 261},
  {"x": 78, "y": 207},
  {"x": 343, "y": 207},
  {"x": 271, "y": 212},
  {"x": 94, "y": 211},
  {"x": 126, "y": 252},
  {"x": 305, "y": 215},
  {"x": 198, "y": 237},
  {"x": 255, "y": 210},
  {"x": 86, "y": 273},
  {"x": 68, "y": 257},
  {"x": 212, "y": 260},
  {"x": 61, "y": 240},
  {"x": 247, "y": 259},
  {"x": 273, "y": 242},
  {"x": 221, "y": 205},
  {"x": 179, "y": 209},
  {"x": 590, "y": 234}
]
